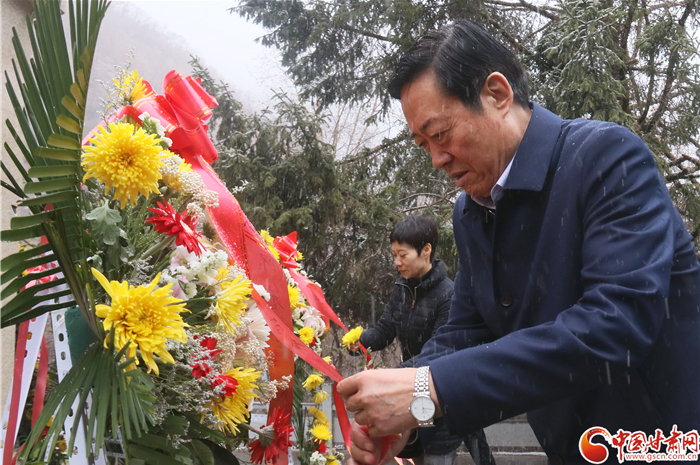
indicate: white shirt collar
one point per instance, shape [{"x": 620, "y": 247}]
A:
[{"x": 496, "y": 190}]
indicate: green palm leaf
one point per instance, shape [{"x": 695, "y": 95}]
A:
[
  {"x": 124, "y": 395},
  {"x": 48, "y": 96}
]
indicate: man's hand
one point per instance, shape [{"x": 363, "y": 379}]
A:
[
  {"x": 366, "y": 450},
  {"x": 381, "y": 399}
]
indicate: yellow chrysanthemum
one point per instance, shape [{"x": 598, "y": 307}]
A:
[
  {"x": 330, "y": 460},
  {"x": 295, "y": 299},
  {"x": 320, "y": 396},
  {"x": 131, "y": 88},
  {"x": 126, "y": 158},
  {"x": 327, "y": 359},
  {"x": 222, "y": 273},
  {"x": 144, "y": 315},
  {"x": 61, "y": 445},
  {"x": 231, "y": 302},
  {"x": 269, "y": 240},
  {"x": 321, "y": 432},
  {"x": 352, "y": 337},
  {"x": 306, "y": 335},
  {"x": 233, "y": 410},
  {"x": 319, "y": 417},
  {"x": 312, "y": 382}
]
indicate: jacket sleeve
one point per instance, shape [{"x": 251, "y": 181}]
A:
[
  {"x": 383, "y": 332},
  {"x": 627, "y": 256},
  {"x": 459, "y": 324},
  {"x": 443, "y": 313}
]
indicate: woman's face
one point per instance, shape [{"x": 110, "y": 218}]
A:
[{"x": 409, "y": 263}]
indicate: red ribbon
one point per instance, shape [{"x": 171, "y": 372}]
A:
[
  {"x": 10, "y": 434},
  {"x": 287, "y": 248},
  {"x": 41, "y": 380}
]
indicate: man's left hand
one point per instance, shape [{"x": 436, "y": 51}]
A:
[{"x": 381, "y": 399}]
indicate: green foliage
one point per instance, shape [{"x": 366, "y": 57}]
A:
[
  {"x": 102, "y": 372},
  {"x": 583, "y": 82},
  {"x": 105, "y": 221}
]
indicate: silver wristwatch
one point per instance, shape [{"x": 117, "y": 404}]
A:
[{"x": 422, "y": 406}]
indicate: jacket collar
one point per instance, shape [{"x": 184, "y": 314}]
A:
[
  {"x": 534, "y": 154},
  {"x": 430, "y": 279}
]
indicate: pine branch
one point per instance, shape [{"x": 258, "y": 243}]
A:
[{"x": 670, "y": 75}]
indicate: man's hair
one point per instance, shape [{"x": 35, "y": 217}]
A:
[
  {"x": 416, "y": 231},
  {"x": 462, "y": 55}
]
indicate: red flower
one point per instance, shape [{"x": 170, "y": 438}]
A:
[
  {"x": 269, "y": 446},
  {"x": 209, "y": 343},
  {"x": 183, "y": 227},
  {"x": 320, "y": 446},
  {"x": 200, "y": 370},
  {"x": 230, "y": 384}
]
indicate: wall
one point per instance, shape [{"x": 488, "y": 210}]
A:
[{"x": 12, "y": 13}]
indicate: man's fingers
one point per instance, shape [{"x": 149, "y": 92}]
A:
[
  {"x": 348, "y": 386},
  {"x": 364, "y": 449},
  {"x": 363, "y": 456},
  {"x": 361, "y": 439}
]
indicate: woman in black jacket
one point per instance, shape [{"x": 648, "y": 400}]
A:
[{"x": 419, "y": 305}]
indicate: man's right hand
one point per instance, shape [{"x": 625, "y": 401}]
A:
[{"x": 366, "y": 450}]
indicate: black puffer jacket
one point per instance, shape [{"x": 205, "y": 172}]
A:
[{"x": 416, "y": 309}]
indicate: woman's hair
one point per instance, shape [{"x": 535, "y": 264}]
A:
[
  {"x": 416, "y": 231},
  {"x": 462, "y": 55}
]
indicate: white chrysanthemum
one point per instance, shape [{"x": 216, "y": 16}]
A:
[
  {"x": 318, "y": 458},
  {"x": 257, "y": 325}
]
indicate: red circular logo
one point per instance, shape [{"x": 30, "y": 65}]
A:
[{"x": 594, "y": 452}]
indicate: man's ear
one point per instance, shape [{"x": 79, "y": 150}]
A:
[{"x": 497, "y": 92}]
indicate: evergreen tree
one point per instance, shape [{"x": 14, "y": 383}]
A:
[
  {"x": 286, "y": 179},
  {"x": 627, "y": 61}
]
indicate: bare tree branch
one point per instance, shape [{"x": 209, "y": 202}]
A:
[{"x": 547, "y": 12}]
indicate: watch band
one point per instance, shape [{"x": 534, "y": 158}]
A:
[
  {"x": 421, "y": 388},
  {"x": 422, "y": 383}
]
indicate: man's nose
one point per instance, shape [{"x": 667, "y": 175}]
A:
[
  {"x": 440, "y": 158},
  {"x": 397, "y": 262}
]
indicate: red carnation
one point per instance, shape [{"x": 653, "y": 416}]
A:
[
  {"x": 183, "y": 227},
  {"x": 230, "y": 384},
  {"x": 320, "y": 446},
  {"x": 273, "y": 440},
  {"x": 200, "y": 370}
]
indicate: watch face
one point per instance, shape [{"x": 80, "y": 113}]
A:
[{"x": 422, "y": 408}]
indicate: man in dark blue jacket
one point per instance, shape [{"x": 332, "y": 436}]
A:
[{"x": 578, "y": 293}]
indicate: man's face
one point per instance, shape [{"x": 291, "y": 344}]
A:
[{"x": 468, "y": 146}]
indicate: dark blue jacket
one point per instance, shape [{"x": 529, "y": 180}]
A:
[{"x": 577, "y": 301}]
